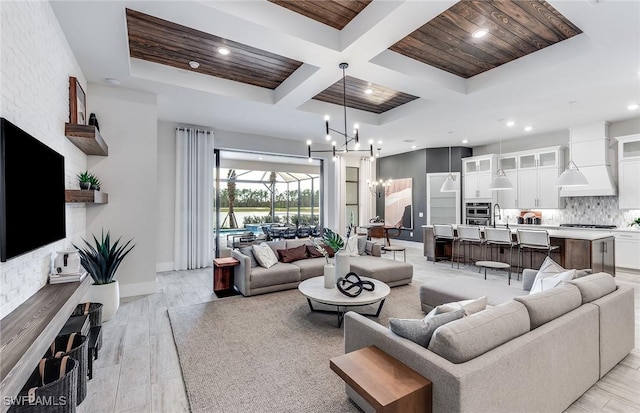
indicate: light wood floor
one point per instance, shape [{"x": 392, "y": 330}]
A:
[{"x": 138, "y": 368}]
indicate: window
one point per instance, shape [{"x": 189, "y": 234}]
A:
[{"x": 351, "y": 194}]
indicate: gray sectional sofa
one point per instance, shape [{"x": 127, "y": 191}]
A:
[
  {"x": 535, "y": 353},
  {"x": 283, "y": 276}
]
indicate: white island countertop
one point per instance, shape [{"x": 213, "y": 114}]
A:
[{"x": 589, "y": 234}]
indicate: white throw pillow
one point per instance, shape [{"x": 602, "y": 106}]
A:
[
  {"x": 549, "y": 268},
  {"x": 352, "y": 245},
  {"x": 469, "y": 306},
  {"x": 551, "y": 281},
  {"x": 264, "y": 255}
]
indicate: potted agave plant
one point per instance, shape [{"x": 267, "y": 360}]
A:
[
  {"x": 84, "y": 180},
  {"x": 101, "y": 262}
]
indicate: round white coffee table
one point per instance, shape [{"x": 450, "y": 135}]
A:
[{"x": 314, "y": 290}]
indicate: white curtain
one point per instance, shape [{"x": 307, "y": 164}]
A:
[
  {"x": 367, "y": 209},
  {"x": 341, "y": 200},
  {"x": 194, "y": 199}
]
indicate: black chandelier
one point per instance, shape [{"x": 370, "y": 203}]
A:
[{"x": 344, "y": 148}]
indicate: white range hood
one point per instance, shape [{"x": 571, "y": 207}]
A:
[{"x": 592, "y": 151}]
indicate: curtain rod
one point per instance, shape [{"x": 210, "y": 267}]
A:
[{"x": 199, "y": 130}]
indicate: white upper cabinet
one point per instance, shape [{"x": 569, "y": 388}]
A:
[
  {"x": 629, "y": 172},
  {"x": 537, "y": 174},
  {"x": 509, "y": 164},
  {"x": 477, "y": 177}
]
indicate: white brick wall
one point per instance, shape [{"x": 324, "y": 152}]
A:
[{"x": 36, "y": 63}]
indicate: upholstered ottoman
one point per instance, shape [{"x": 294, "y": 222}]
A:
[{"x": 393, "y": 273}]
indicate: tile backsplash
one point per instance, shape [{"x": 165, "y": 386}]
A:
[{"x": 601, "y": 210}]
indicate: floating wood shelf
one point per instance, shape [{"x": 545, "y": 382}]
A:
[
  {"x": 27, "y": 332},
  {"x": 86, "y": 196},
  {"x": 87, "y": 138}
]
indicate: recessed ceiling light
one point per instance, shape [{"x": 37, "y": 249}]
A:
[
  {"x": 112, "y": 81},
  {"x": 479, "y": 33},
  {"x": 223, "y": 51},
  {"x": 633, "y": 106},
  {"x": 260, "y": 158},
  {"x": 194, "y": 64},
  {"x": 510, "y": 123},
  {"x": 465, "y": 141},
  {"x": 380, "y": 142},
  {"x": 528, "y": 128},
  {"x": 413, "y": 146},
  {"x": 368, "y": 91}
]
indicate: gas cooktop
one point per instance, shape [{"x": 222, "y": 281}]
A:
[{"x": 598, "y": 226}]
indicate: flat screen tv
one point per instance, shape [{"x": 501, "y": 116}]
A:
[{"x": 32, "y": 207}]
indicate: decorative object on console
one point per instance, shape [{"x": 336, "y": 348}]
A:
[
  {"x": 93, "y": 120},
  {"x": 635, "y": 223},
  {"x": 450, "y": 184},
  {"x": 77, "y": 102},
  {"x": 347, "y": 139},
  {"x": 345, "y": 284},
  {"x": 572, "y": 175},
  {"x": 102, "y": 262}
]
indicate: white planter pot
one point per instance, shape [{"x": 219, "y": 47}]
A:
[
  {"x": 329, "y": 276},
  {"x": 342, "y": 264},
  {"x": 106, "y": 294}
]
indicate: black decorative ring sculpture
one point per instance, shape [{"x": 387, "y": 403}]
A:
[{"x": 346, "y": 284}]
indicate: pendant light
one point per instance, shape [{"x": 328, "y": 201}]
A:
[
  {"x": 572, "y": 175},
  {"x": 449, "y": 184},
  {"x": 500, "y": 182}
]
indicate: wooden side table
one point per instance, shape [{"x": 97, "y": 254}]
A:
[
  {"x": 384, "y": 382},
  {"x": 223, "y": 274}
]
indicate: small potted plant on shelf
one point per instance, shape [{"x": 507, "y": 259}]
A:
[
  {"x": 84, "y": 180},
  {"x": 101, "y": 262},
  {"x": 95, "y": 182},
  {"x": 635, "y": 223}
]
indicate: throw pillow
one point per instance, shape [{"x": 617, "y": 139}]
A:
[
  {"x": 362, "y": 245},
  {"x": 549, "y": 268},
  {"x": 420, "y": 331},
  {"x": 469, "y": 306},
  {"x": 264, "y": 255},
  {"x": 583, "y": 273},
  {"x": 312, "y": 252},
  {"x": 368, "y": 248},
  {"x": 293, "y": 254},
  {"x": 547, "y": 283},
  {"x": 248, "y": 251},
  {"x": 351, "y": 245}
]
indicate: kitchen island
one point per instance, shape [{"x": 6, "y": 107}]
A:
[{"x": 576, "y": 249}]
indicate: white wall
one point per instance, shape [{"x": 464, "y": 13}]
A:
[
  {"x": 34, "y": 84},
  {"x": 222, "y": 140},
  {"x": 128, "y": 123}
]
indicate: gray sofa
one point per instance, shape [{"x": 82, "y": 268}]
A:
[
  {"x": 537, "y": 353},
  {"x": 283, "y": 276}
]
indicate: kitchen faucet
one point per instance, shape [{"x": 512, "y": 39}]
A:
[{"x": 498, "y": 215}]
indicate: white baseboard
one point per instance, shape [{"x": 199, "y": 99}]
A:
[
  {"x": 164, "y": 266},
  {"x": 130, "y": 290}
]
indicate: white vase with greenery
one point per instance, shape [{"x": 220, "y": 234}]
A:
[{"x": 101, "y": 262}]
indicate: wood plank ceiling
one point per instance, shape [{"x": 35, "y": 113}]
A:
[
  {"x": 380, "y": 100},
  {"x": 334, "y": 13},
  {"x": 516, "y": 28},
  {"x": 161, "y": 41}
]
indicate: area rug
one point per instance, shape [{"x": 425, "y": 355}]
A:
[{"x": 268, "y": 353}]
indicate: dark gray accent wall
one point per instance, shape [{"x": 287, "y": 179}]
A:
[{"x": 416, "y": 165}]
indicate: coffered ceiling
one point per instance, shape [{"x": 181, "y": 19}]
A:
[
  {"x": 515, "y": 28},
  {"x": 432, "y": 83}
]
